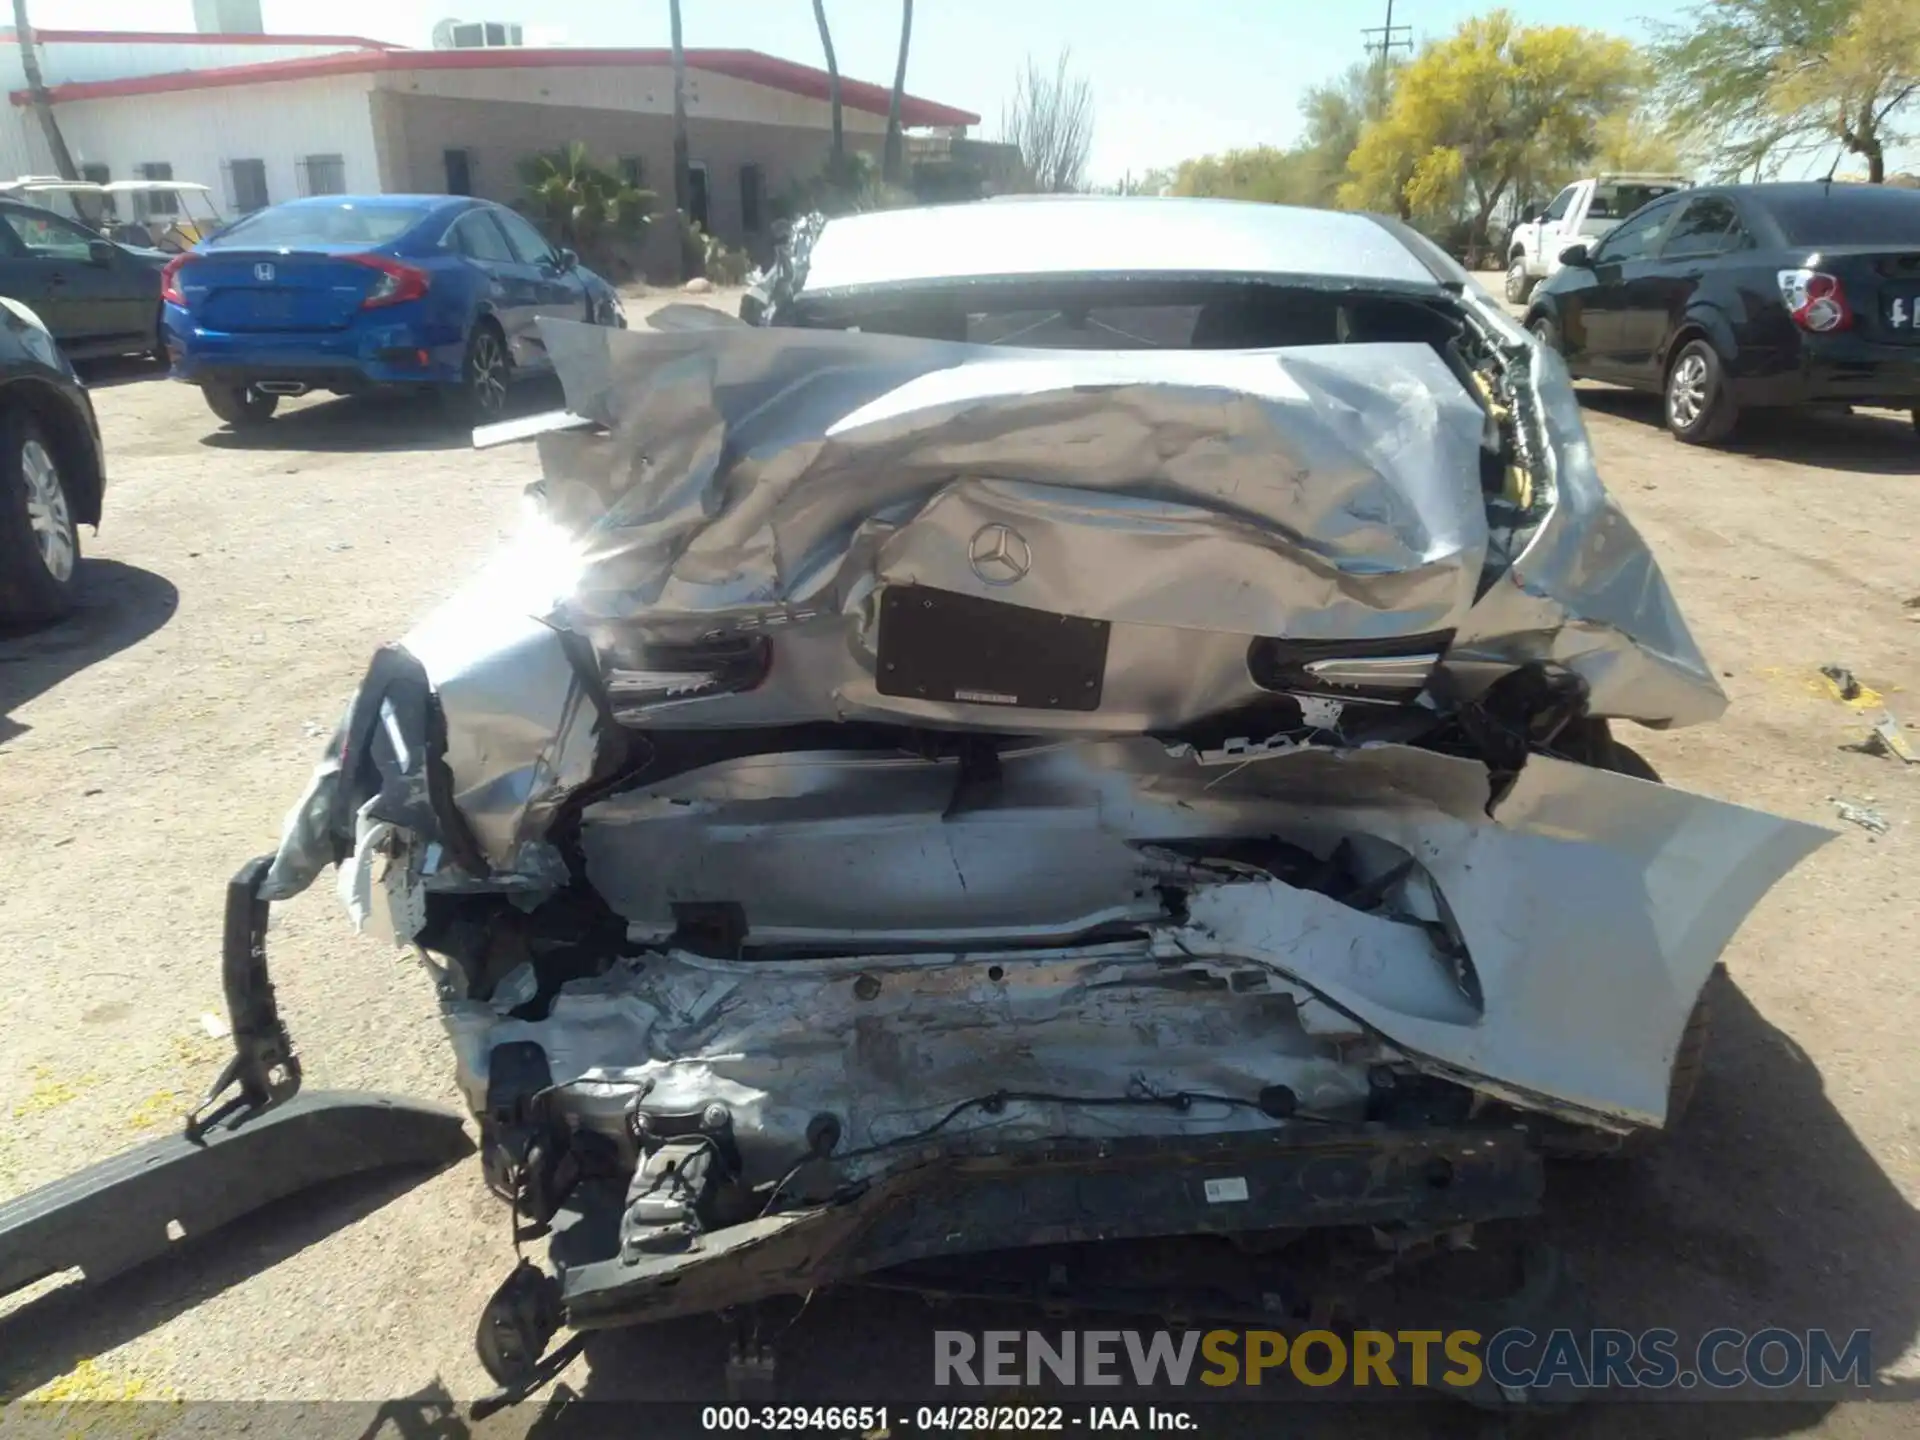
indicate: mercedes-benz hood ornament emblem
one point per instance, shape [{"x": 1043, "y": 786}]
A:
[{"x": 999, "y": 554}]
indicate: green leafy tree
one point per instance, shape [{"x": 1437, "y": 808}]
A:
[
  {"x": 1855, "y": 88},
  {"x": 1279, "y": 177},
  {"x": 1333, "y": 117},
  {"x": 1482, "y": 114},
  {"x": 856, "y": 185},
  {"x": 581, "y": 202},
  {"x": 1763, "y": 81}
]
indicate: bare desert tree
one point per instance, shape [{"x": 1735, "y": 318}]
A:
[{"x": 1050, "y": 119}]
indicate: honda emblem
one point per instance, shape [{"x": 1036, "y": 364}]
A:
[{"x": 263, "y": 273}]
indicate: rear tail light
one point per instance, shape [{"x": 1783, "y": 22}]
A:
[
  {"x": 170, "y": 280},
  {"x": 1816, "y": 300},
  {"x": 398, "y": 283}
]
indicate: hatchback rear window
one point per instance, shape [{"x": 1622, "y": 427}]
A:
[
  {"x": 1844, "y": 214},
  {"x": 352, "y": 222}
]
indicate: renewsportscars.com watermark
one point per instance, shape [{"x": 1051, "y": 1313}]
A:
[{"x": 1513, "y": 1359}]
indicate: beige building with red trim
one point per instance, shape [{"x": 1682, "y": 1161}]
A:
[{"x": 264, "y": 118}]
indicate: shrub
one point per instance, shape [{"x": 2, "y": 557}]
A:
[{"x": 712, "y": 257}]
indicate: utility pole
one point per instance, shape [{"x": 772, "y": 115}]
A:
[{"x": 1392, "y": 37}]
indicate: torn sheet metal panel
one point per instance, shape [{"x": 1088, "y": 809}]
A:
[
  {"x": 522, "y": 726},
  {"x": 746, "y": 462},
  {"x": 1592, "y": 906},
  {"x": 1320, "y": 492},
  {"x": 1587, "y": 593}
]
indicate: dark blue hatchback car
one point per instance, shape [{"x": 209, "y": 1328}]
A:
[{"x": 344, "y": 293}]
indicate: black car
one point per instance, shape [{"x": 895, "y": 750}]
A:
[
  {"x": 51, "y": 473},
  {"x": 97, "y": 296},
  {"x": 1737, "y": 297}
]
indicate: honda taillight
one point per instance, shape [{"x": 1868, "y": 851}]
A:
[
  {"x": 170, "y": 280},
  {"x": 398, "y": 283},
  {"x": 1816, "y": 300}
]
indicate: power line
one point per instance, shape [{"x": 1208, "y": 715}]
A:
[{"x": 1392, "y": 37}]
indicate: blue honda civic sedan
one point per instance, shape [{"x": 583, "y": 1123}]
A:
[{"x": 344, "y": 293}]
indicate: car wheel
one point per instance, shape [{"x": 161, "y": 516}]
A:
[
  {"x": 1699, "y": 404},
  {"x": 1519, "y": 282},
  {"x": 241, "y": 406},
  {"x": 39, "y": 542},
  {"x": 482, "y": 397},
  {"x": 1546, "y": 332}
]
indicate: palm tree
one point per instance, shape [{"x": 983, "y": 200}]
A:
[
  {"x": 37, "y": 90},
  {"x": 892, "y": 162},
  {"x": 837, "y": 156},
  {"x": 580, "y": 200},
  {"x": 682, "y": 166}
]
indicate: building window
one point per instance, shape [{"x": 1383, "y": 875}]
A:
[
  {"x": 697, "y": 193},
  {"x": 632, "y": 171},
  {"x": 323, "y": 175},
  {"x": 247, "y": 185},
  {"x": 459, "y": 165},
  {"x": 156, "y": 203},
  {"x": 753, "y": 194}
]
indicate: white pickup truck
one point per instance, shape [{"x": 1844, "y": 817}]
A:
[{"x": 1579, "y": 214}]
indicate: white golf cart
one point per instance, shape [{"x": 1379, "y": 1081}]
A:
[{"x": 189, "y": 223}]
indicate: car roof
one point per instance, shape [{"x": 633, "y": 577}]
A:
[
  {"x": 8, "y": 202},
  {"x": 1778, "y": 204},
  {"x": 314, "y": 202},
  {"x": 1135, "y": 236}
]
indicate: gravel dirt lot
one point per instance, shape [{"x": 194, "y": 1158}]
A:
[{"x": 152, "y": 743}]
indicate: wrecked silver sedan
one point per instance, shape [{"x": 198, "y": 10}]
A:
[{"x": 1072, "y": 721}]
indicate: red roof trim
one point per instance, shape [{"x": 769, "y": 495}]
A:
[
  {"x": 748, "y": 65},
  {"x": 190, "y": 37}
]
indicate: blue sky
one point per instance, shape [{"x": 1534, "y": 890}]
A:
[{"x": 1171, "y": 78}]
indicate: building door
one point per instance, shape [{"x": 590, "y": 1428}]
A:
[
  {"x": 459, "y": 165},
  {"x": 697, "y": 194}
]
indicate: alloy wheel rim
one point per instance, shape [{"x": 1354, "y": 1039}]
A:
[
  {"x": 47, "y": 514},
  {"x": 1687, "y": 391},
  {"x": 489, "y": 374}
]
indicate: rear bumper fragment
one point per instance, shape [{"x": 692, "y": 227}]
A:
[{"x": 115, "y": 1215}]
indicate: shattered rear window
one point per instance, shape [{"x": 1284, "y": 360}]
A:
[{"x": 1119, "y": 327}]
